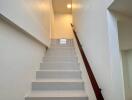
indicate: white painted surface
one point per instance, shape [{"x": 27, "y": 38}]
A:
[
  {"x": 87, "y": 84},
  {"x": 122, "y": 6},
  {"x": 125, "y": 40},
  {"x": 53, "y": 82},
  {"x": 60, "y": 6},
  {"x": 129, "y": 72},
  {"x": 127, "y": 66},
  {"x": 125, "y": 34},
  {"x": 121, "y": 16},
  {"x": 20, "y": 55},
  {"x": 126, "y": 75},
  {"x": 62, "y": 26},
  {"x": 90, "y": 20},
  {"x": 116, "y": 69},
  {"x": 34, "y": 16}
]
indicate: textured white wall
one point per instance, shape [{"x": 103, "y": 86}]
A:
[
  {"x": 62, "y": 26},
  {"x": 91, "y": 24},
  {"x": 20, "y": 55},
  {"x": 34, "y": 16}
]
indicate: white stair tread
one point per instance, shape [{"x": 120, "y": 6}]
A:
[
  {"x": 58, "y": 80},
  {"x": 57, "y": 94},
  {"x": 69, "y": 46},
  {"x": 59, "y": 76},
  {"x": 59, "y": 62},
  {"x": 59, "y": 70}
]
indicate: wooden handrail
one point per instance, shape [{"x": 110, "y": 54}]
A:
[{"x": 94, "y": 83}]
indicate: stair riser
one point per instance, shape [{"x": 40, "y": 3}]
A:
[
  {"x": 53, "y": 86},
  {"x": 57, "y": 98},
  {"x": 61, "y": 46},
  {"x": 60, "y": 60},
  {"x": 61, "y": 49},
  {"x": 57, "y": 64},
  {"x": 59, "y": 68},
  {"x": 60, "y": 55},
  {"x": 58, "y": 75},
  {"x": 58, "y": 44},
  {"x": 57, "y": 41},
  {"x": 73, "y": 59}
]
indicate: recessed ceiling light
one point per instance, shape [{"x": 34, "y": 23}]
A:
[{"x": 69, "y": 6}]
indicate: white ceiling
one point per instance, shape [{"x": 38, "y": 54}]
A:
[
  {"x": 122, "y": 6},
  {"x": 60, "y": 6}
]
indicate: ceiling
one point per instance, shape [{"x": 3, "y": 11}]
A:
[
  {"x": 122, "y": 6},
  {"x": 60, "y": 6}
]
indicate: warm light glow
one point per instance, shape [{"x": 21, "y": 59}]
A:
[{"x": 69, "y": 6}]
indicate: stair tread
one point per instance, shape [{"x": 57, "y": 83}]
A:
[
  {"x": 57, "y": 94},
  {"x": 74, "y": 57},
  {"x": 62, "y": 78},
  {"x": 58, "y": 70},
  {"x": 60, "y": 62},
  {"x": 58, "y": 80},
  {"x": 63, "y": 47}
]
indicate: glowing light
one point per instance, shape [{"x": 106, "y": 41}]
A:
[{"x": 69, "y": 6}]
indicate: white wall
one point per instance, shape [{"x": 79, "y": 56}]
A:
[
  {"x": 62, "y": 26},
  {"x": 129, "y": 72},
  {"x": 125, "y": 40},
  {"x": 33, "y": 16},
  {"x": 116, "y": 68},
  {"x": 91, "y": 24},
  {"x": 87, "y": 84},
  {"x": 125, "y": 34},
  {"x": 127, "y": 69},
  {"x": 20, "y": 55}
]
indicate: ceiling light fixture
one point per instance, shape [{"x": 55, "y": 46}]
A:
[{"x": 69, "y": 6}]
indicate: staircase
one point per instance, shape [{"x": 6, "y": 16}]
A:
[{"x": 59, "y": 77}]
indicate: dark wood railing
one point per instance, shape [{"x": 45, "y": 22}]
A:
[{"x": 94, "y": 83}]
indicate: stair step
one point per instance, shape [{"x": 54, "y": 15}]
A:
[
  {"x": 61, "y": 48},
  {"x": 58, "y": 67},
  {"x": 58, "y": 74},
  {"x": 54, "y": 59},
  {"x": 57, "y": 95},
  {"x": 59, "y": 77},
  {"x": 58, "y": 80},
  {"x": 43, "y": 85},
  {"x": 54, "y": 46},
  {"x": 68, "y": 49},
  {"x": 61, "y": 64},
  {"x": 58, "y": 44},
  {"x": 57, "y": 61},
  {"x": 60, "y": 55}
]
